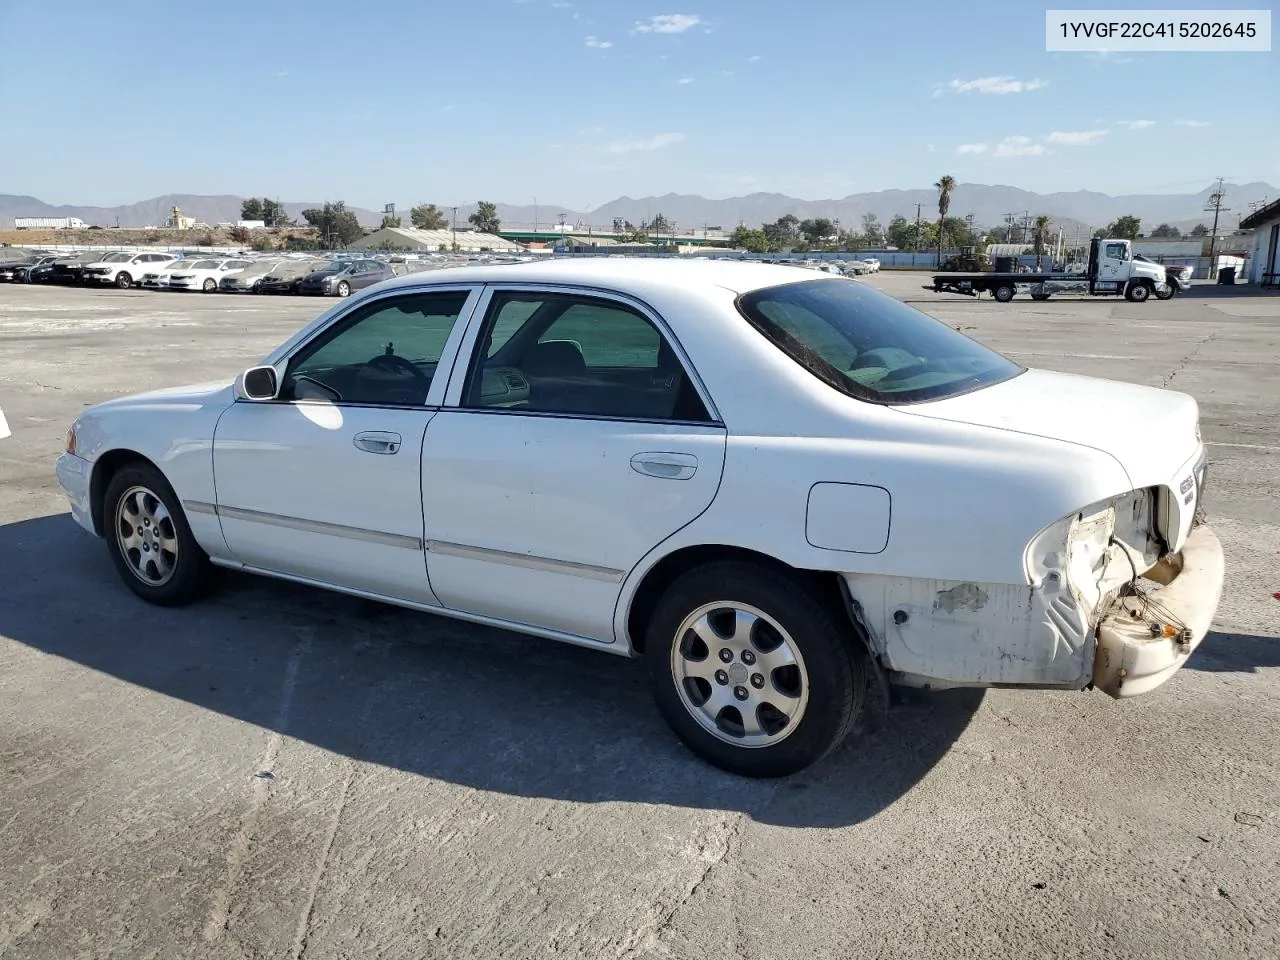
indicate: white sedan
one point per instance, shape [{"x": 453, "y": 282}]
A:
[
  {"x": 205, "y": 275},
  {"x": 770, "y": 483}
]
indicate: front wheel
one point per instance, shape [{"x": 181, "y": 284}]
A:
[
  {"x": 209, "y": 285},
  {"x": 149, "y": 540},
  {"x": 1137, "y": 292},
  {"x": 751, "y": 671},
  {"x": 123, "y": 280},
  {"x": 1166, "y": 291},
  {"x": 1004, "y": 293},
  {"x": 344, "y": 289}
]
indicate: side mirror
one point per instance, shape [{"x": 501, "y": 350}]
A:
[{"x": 257, "y": 383}]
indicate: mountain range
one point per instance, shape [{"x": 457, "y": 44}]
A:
[{"x": 989, "y": 204}]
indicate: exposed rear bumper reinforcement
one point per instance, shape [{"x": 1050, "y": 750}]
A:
[{"x": 1136, "y": 652}]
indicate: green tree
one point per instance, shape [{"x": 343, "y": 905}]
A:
[
  {"x": 661, "y": 226},
  {"x": 817, "y": 230},
  {"x": 390, "y": 222},
  {"x": 618, "y": 224},
  {"x": 1167, "y": 231},
  {"x": 485, "y": 219},
  {"x": 1125, "y": 228},
  {"x": 338, "y": 226},
  {"x": 872, "y": 230},
  {"x": 1043, "y": 224},
  {"x": 1199, "y": 230},
  {"x": 946, "y": 186},
  {"x": 425, "y": 216},
  {"x": 251, "y": 209},
  {"x": 901, "y": 232},
  {"x": 753, "y": 241},
  {"x": 273, "y": 214}
]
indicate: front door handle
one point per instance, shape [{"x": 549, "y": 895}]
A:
[
  {"x": 665, "y": 466},
  {"x": 377, "y": 441}
]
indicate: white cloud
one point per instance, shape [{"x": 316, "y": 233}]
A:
[
  {"x": 991, "y": 85},
  {"x": 1076, "y": 138},
  {"x": 971, "y": 148},
  {"x": 755, "y": 59},
  {"x": 667, "y": 23},
  {"x": 1136, "y": 124},
  {"x": 683, "y": 80},
  {"x": 656, "y": 142},
  {"x": 1192, "y": 123},
  {"x": 597, "y": 44},
  {"x": 1019, "y": 147}
]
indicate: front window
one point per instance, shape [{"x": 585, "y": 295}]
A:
[
  {"x": 205, "y": 265},
  {"x": 870, "y": 346},
  {"x": 385, "y": 353},
  {"x": 117, "y": 258}
]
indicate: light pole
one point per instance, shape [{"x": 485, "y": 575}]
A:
[
  {"x": 535, "y": 214},
  {"x": 455, "y": 229}
]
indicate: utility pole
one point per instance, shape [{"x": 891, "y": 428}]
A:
[
  {"x": 455, "y": 229},
  {"x": 1215, "y": 204},
  {"x": 918, "y": 206}
]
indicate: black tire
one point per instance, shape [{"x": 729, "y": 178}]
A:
[
  {"x": 832, "y": 658},
  {"x": 192, "y": 574},
  {"x": 1040, "y": 296},
  {"x": 123, "y": 280},
  {"x": 1138, "y": 292},
  {"x": 1004, "y": 293},
  {"x": 343, "y": 289},
  {"x": 1170, "y": 289},
  {"x": 210, "y": 285}
]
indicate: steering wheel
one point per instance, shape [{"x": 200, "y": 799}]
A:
[{"x": 391, "y": 363}]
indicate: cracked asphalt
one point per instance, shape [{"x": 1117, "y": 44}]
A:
[{"x": 280, "y": 772}]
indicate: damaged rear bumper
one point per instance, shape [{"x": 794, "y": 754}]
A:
[{"x": 1134, "y": 653}]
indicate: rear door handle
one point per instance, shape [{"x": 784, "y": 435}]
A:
[
  {"x": 377, "y": 441},
  {"x": 665, "y": 466}
]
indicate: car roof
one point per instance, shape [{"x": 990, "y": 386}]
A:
[{"x": 626, "y": 275}]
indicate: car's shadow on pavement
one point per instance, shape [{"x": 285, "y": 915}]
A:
[{"x": 475, "y": 706}]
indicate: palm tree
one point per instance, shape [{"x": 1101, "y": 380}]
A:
[
  {"x": 945, "y": 186},
  {"x": 1043, "y": 223}
]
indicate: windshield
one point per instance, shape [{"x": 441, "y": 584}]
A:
[
  {"x": 205, "y": 265},
  {"x": 118, "y": 258},
  {"x": 870, "y": 346}
]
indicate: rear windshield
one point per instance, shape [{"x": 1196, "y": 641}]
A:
[{"x": 870, "y": 346}]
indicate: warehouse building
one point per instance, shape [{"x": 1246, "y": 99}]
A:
[
  {"x": 411, "y": 238},
  {"x": 1264, "y": 258}
]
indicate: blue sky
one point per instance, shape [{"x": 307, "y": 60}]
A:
[{"x": 576, "y": 102}]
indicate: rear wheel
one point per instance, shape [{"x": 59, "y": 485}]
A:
[
  {"x": 149, "y": 539},
  {"x": 1138, "y": 292},
  {"x": 123, "y": 280},
  {"x": 751, "y": 671},
  {"x": 1004, "y": 293}
]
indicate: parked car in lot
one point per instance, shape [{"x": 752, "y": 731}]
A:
[
  {"x": 693, "y": 463},
  {"x": 122, "y": 269},
  {"x": 339, "y": 279},
  {"x": 23, "y": 272},
  {"x": 249, "y": 279},
  {"x": 4, "y": 426},
  {"x": 70, "y": 269},
  {"x": 157, "y": 278},
  {"x": 204, "y": 275},
  {"x": 288, "y": 275}
]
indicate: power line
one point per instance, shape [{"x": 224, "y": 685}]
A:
[{"x": 1215, "y": 204}]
